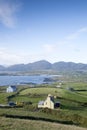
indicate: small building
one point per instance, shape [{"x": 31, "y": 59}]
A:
[
  {"x": 12, "y": 104},
  {"x": 11, "y": 89},
  {"x": 48, "y": 103},
  {"x": 58, "y": 86}
]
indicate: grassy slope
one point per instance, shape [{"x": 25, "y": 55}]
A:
[
  {"x": 14, "y": 124},
  {"x": 56, "y": 92},
  {"x": 70, "y": 108}
]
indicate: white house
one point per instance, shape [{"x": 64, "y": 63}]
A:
[
  {"x": 59, "y": 85},
  {"x": 11, "y": 89},
  {"x": 48, "y": 103}
]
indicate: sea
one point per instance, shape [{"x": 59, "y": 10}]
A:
[{"x": 21, "y": 80}]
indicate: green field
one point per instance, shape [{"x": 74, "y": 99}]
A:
[
  {"x": 12, "y": 124},
  {"x": 72, "y": 110}
]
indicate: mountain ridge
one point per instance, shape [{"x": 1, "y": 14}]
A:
[{"x": 45, "y": 65}]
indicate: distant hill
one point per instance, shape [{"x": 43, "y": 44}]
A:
[
  {"x": 45, "y": 65},
  {"x": 18, "y": 67},
  {"x": 40, "y": 65},
  {"x": 2, "y": 68},
  {"x": 69, "y": 66}
]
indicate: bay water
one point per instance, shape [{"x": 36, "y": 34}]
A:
[{"x": 17, "y": 80}]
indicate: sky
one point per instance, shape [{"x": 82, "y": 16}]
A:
[{"x": 52, "y": 30}]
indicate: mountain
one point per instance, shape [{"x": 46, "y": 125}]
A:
[
  {"x": 40, "y": 65},
  {"x": 18, "y": 67},
  {"x": 2, "y": 68},
  {"x": 45, "y": 65},
  {"x": 69, "y": 66}
]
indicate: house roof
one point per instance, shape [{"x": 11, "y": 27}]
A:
[
  {"x": 41, "y": 103},
  {"x": 12, "y": 87},
  {"x": 49, "y": 95}
]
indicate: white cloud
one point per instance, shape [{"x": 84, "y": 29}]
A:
[
  {"x": 7, "y": 57},
  {"x": 7, "y": 12},
  {"x": 76, "y": 34}
]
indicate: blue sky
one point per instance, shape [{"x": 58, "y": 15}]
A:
[{"x": 32, "y": 30}]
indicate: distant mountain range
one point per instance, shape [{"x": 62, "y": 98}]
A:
[{"x": 45, "y": 65}]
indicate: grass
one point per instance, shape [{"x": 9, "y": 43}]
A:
[
  {"x": 71, "y": 111},
  {"x": 83, "y": 93},
  {"x": 55, "y": 91},
  {"x": 3, "y": 97},
  {"x": 14, "y": 124},
  {"x": 42, "y": 90}
]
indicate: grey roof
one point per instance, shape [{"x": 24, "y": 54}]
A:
[
  {"x": 41, "y": 103},
  {"x": 13, "y": 87}
]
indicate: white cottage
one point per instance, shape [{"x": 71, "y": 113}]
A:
[
  {"x": 11, "y": 89},
  {"x": 48, "y": 103}
]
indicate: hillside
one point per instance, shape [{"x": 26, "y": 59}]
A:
[
  {"x": 71, "y": 115},
  {"x": 45, "y": 65},
  {"x": 33, "y": 125},
  {"x": 2, "y": 68}
]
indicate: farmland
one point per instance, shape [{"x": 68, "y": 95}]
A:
[
  {"x": 72, "y": 113},
  {"x": 10, "y": 124}
]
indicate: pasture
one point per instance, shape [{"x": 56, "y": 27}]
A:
[{"x": 72, "y": 110}]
